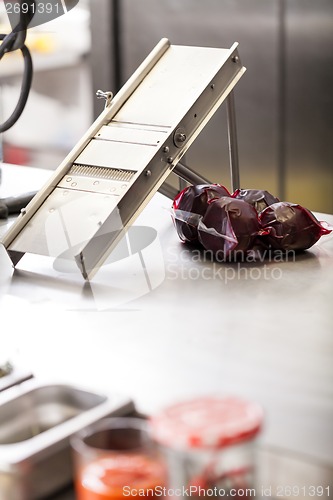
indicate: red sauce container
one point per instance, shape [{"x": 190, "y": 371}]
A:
[
  {"x": 117, "y": 459},
  {"x": 210, "y": 446}
]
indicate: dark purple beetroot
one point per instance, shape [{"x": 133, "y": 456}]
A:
[
  {"x": 257, "y": 198},
  {"x": 290, "y": 227},
  {"x": 192, "y": 202},
  {"x": 229, "y": 228}
]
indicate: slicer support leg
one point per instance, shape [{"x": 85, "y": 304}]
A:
[{"x": 232, "y": 138}]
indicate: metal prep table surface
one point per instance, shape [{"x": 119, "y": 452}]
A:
[{"x": 181, "y": 327}]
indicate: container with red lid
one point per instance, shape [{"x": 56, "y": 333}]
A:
[{"x": 210, "y": 445}]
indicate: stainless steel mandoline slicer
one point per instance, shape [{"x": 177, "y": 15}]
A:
[{"x": 127, "y": 154}]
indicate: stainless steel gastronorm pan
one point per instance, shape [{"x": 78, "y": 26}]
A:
[{"x": 36, "y": 422}]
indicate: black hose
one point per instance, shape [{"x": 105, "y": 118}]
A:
[{"x": 25, "y": 89}]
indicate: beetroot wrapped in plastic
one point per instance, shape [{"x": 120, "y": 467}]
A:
[
  {"x": 190, "y": 205},
  {"x": 290, "y": 227},
  {"x": 229, "y": 228},
  {"x": 257, "y": 198}
]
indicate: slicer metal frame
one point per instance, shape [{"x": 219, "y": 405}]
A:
[{"x": 126, "y": 155}]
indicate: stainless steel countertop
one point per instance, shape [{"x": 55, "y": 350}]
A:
[{"x": 182, "y": 327}]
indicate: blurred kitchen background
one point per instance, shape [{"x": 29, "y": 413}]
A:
[{"x": 284, "y": 102}]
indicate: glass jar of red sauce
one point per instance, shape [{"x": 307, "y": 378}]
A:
[
  {"x": 117, "y": 459},
  {"x": 210, "y": 446}
]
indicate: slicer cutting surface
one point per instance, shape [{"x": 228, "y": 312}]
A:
[{"x": 112, "y": 173}]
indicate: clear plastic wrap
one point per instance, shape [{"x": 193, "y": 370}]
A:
[
  {"x": 230, "y": 226},
  {"x": 257, "y": 198},
  {"x": 290, "y": 227},
  {"x": 191, "y": 202}
]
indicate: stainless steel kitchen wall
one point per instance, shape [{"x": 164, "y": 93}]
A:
[
  {"x": 284, "y": 102},
  {"x": 309, "y": 103}
]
